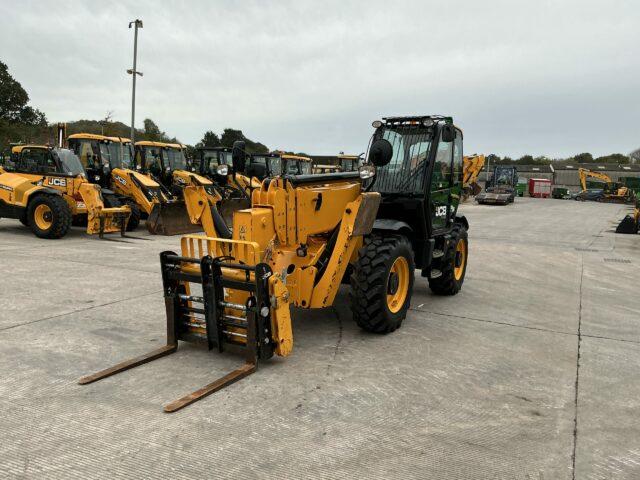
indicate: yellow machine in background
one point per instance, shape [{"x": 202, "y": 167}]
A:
[
  {"x": 471, "y": 167},
  {"x": 167, "y": 164},
  {"x": 47, "y": 187},
  {"x": 630, "y": 223},
  {"x": 304, "y": 235},
  {"x": 612, "y": 191},
  {"x": 108, "y": 162}
]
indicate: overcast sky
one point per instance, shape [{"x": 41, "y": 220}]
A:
[{"x": 548, "y": 78}]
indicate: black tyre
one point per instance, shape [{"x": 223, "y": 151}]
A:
[
  {"x": 453, "y": 264},
  {"x": 24, "y": 219},
  {"x": 134, "y": 219},
  {"x": 382, "y": 283},
  {"x": 49, "y": 216}
]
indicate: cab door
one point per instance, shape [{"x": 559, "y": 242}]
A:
[{"x": 441, "y": 184}]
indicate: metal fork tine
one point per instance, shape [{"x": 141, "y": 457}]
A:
[{"x": 232, "y": 377}]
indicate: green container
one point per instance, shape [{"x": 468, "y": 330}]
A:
[
  {"x": 521, "y": 187},
  {"x": 560, "y": 192}
]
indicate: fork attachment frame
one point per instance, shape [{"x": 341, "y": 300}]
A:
[{"x": 210, "y": 324}]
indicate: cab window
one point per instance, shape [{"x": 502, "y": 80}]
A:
[
  {"x": 457, "y": 158},
  {"x": 441, "y": 178}
]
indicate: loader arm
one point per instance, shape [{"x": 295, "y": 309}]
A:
[
  {"x": 471, "y": 167},
  {"x": 102, "y": 220}
]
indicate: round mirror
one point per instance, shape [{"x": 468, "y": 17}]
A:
[{"x": 380, "y": 152}]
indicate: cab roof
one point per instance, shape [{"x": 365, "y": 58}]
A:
[
  {"x": 19, "y": 148},
  {"x": 288, "y": 156},
  {"x": 146, "y": 143},
  {"x": 88, "y": 136}
]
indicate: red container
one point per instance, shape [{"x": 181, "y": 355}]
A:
[{"x": 539, "y": 187}]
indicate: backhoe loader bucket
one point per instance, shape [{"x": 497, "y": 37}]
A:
[
  {"x": 230, "y": 205},
  {"x": 629, "y": 224},
  {"x": 170, "y": 218}
]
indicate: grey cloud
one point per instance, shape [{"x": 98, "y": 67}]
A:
[{"x": 552, "y": 78}]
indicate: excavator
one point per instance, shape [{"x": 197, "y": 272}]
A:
[
  {"x": 613, "y": 192},
  {"x": 232, "y": 289},
  {"x": 471, "y": 167},
  {"x": 47, "y": 187},
  {"x": 166, "y": 163}
]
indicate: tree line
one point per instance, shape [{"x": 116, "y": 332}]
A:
[{"x": 617, "y": 158}]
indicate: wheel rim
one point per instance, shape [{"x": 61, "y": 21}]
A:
[
  {"x": 398, "y": 284},
  {"x": 43, "y": 217},
  {"x": 460, "y": 259}
]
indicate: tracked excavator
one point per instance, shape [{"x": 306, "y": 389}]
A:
[
  {"x": 303, "y": 235},
  {"x": 613, "y": 192}
]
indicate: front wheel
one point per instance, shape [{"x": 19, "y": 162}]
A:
[
  {"x": 134, "y": 219},
  {"x": 382, "y": 283},
  {"x": 453, "y": 264},
  {"x": 49, "y": 216}
]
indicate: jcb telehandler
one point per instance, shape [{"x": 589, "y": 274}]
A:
[
  {"x": 47, "y": 187},
  {"x": 167, "y": 164},
  {"x": 304, "y": 234}
]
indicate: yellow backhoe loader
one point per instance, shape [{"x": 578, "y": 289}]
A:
[
  {"x": 47, "y": 187},
  {"x": 166, "y": 163},
  {"x": 613, "y": 192},
  {"x": 304, "y": 235},
  {"x": 264, "y": 165},
  {"x": 108, "y": 162},
  {"x": 471, "y": 167}
]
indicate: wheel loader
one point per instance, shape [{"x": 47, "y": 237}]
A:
[
  {"x": 166, "y": 163},
  {"x": 47, "y": 187},
  {"x": 306, "y": 234}
]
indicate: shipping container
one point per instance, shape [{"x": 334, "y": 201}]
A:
[{"x": 539, "y": 188}]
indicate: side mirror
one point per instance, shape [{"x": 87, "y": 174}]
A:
[
  {"x": 448, "y": 133},
  {"x": 238, "y": 156},
  {"x": 381, "y": 152}
]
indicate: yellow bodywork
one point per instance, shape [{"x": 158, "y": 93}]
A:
[
  {"x": 471, "y": 167},
  {"x": 289, "y": 228},
  {"x": 620, "y": 193},
  {"x": 82, "y": 197}
]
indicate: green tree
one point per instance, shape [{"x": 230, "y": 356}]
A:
[
  {"x": 152, "y": 131},
  {"x": 583, "y": 158},
  {"x": 230, "y": 135},
  {"x": 210, "y": 139},
  {"x": 613, "y": 158}
]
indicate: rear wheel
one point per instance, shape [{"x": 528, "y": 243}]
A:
[
  {"x": 453, "y": 264},
  {"x": 382, "y": 283},
  {"x": 49, "y": 216}
]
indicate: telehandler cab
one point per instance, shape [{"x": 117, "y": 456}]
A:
[
  {"x": 167, "y": 164},
  {"x": 304, "y": 234},
  {"x": 264, "y": 165},
  {"x": 47, "y": 187}
]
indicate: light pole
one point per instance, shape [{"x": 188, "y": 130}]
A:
[{"x": 133, "y": 72}]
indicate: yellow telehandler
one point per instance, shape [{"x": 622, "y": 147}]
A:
[
  {"x": 45, "y": 188},
  {"x": 304, "y": 235}
]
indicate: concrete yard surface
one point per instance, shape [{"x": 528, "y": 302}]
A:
[{"x": 531, "y": 372}]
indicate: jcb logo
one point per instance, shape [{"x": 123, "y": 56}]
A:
[
  {"x": 57, "y": 182},
  {"x": 121, "y": 180},
  {"x": 441, "y": 211}
]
